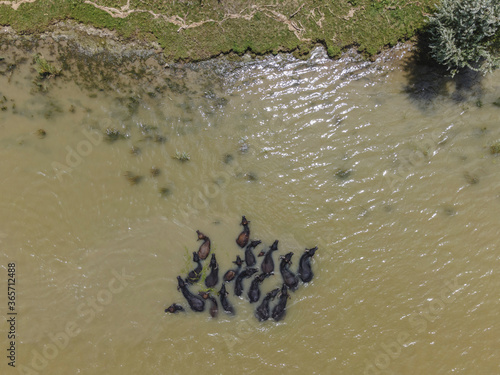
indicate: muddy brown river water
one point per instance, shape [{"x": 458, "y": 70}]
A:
[{"x": 386, "y": 167}]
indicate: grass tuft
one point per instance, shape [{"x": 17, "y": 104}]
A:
[{"x": 182, "y": 156}]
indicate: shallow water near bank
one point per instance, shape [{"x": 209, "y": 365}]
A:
[{"x": 382, "y": 165}]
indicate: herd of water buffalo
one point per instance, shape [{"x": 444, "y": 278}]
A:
[{"x": 263, "y": 312}]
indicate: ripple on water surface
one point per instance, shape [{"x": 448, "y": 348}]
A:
[{"x": 391, "y": 176}]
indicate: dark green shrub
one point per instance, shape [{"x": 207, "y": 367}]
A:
[{"x": 462, "y": 33}]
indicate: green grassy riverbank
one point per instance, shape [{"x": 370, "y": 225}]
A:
[{"x": 197, "y": 30}]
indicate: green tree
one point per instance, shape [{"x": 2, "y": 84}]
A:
[{"x": 462, "y": 34}]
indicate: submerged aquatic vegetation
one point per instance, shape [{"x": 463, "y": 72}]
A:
[
  {"x": 343, "y": 174},
  {"x": 160, "y": 138},
  {"x": 251, "y": 176},
  {"x": 112, "y": 135},
  {"x": 41, "y": 133},
  {"x": 146, "y": 129},
  {"x": 165, "y": 191},
  {"x": 182, "y": 156},
  {"x": 133, "y": 178},
  {"x": 3, "y": 101},
  {"x": 132, "y": 104},
  {"x": 151, "y": 133},
  {"x": 470, "y": 178},
  {"x": 228, "y": 158},
  {"x": 135, "y": 150},
  {"x": 495, "y": 148},
  {"x": 243, "y": 144},
  {"x": 154, "y": 171},
  {"x": 157, "y": 138},
  {"x": 44, "y": 68}
]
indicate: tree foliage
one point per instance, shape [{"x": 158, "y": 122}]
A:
[{"x": 462, "y": 33}]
